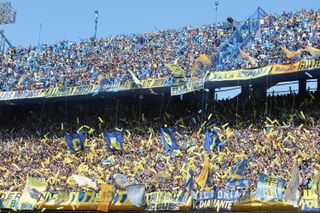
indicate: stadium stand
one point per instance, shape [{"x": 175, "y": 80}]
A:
[
  {"x": 158, "y": 151},
  {"x": 295, "y": 31},
  {"x": 75, "y": 64},
  {"x": 37, "y": 135}
]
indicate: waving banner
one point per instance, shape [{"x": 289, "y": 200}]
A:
[
  {"x": 75, "y": 142},
  {"x": 269, "y": 188},
  {"x": 292, "y": 193},
  {"x": 201, "y": 65},
  {"x": 114, "y": 141},
  {"x": 176, "y": 70},
  {"x": 32, "y": 191},
  {"x": 121, "y": 180},
  {"x": 233, "y": 183},
  {"x": 168, "y": 139},
  {"x": 247, "y": 57},
  {"x": 313, "y": 51},
  {"x": 105, "y": 197},
  {"x": 135, "y": 193},
  {"x": 291, "y": 54}
]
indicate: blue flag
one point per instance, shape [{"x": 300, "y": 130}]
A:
[
  {"x": 168, "y": 139},
  {"x": 188, "y": 183},
  {"x": 75, "y": 142},
  {"x": 238, "y": 169},
  {"x": 236, "y": 183},
  {"x": 114, "y": 141},
  {"x": 212, "y": 140}
]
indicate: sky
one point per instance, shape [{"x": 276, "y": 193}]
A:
[{"x": 74, "y": 19}]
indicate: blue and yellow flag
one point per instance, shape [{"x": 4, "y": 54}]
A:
[
  {"x": 188, "y": 183},
  {"x": 106, "y": 196},
  {"x": 23, "y": 79},
  {"x": 168, "y": 139},
  {"x": 236, "y": 183},
  {"x": 101, "y": 80},
  {"x": 203, "y": 176},
  {"x": 291, "y": 54},
  {"x": 75, "y": 142},
  {"x": 201, "y": 65},
  {"x": 247, "y": 57},
  {"x": 32, "y": 191},
  {"x": 238, "y": 169},
  {"x": 212, "y": 140},
  {"x": 176, "y": 70},
  {"x": 114, "y": 141},
  {"x": 313, "y": 51}
]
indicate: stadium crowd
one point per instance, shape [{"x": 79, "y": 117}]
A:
[
  {"x": 88, "y": 62},
  {"x": 294, "y": 31},
  {"x": 73, "y": 64},
  {"x": 276, "y": 137}
]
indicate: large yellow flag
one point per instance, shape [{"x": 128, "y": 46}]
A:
[
  {"x": 200, "y": 64},
  {"x": 290, "y": 54},
  {"x": 313, "y": 51},
  {"x": 105, "y": 198},
  {"x": 247, "y": 57},
  {"x": 33, "y": 191},
  {"x": 176, "y": 70},
  {"x": 202, "y": 179}
]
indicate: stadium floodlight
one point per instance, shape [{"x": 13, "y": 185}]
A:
[
  {"x": 7, "y": 13},
  {"x": 7, "y": 16}
]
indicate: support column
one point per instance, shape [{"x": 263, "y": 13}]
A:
[
  {"x": 260, "y": 91},
  {"x": 245, "y": 91},
  {"x": 212, "y": 93},
  {"x": 303, "y": 86}
]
